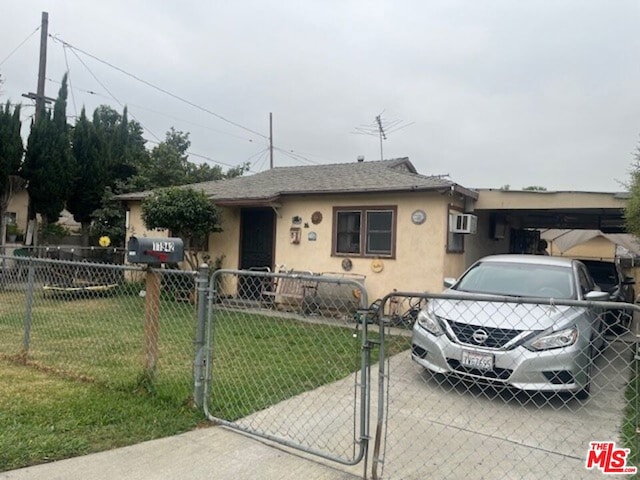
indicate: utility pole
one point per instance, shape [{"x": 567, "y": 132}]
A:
[
  {"x": 42, "y": 69},
  {"x": 39, "y": 97},
  {"x": 270, "y": 140},
  {"x": 41, "y": 101}
]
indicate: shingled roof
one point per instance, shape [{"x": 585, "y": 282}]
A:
[{"x": 396, "y": 175}]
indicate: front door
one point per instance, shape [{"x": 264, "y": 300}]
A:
[{"x": 257, "y": 228}]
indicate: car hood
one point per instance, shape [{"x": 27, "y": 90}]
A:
[{"x": 515, "y": 316}]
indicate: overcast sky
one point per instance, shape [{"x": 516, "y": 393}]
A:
[{"x": 491, "y": 92}]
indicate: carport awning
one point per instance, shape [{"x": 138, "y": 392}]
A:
[{"x": 564, "y": 239}]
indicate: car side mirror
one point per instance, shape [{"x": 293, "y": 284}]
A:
[
  {"x": 448, "y": 282},
  {"x": 597, "y": 296}
]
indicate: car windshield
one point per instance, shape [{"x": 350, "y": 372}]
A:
[{"x": 518, "y": 279}]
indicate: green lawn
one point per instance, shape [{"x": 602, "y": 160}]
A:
[
  {"x": 44, "y": 417},
  {"x": 81, "y": 392}
]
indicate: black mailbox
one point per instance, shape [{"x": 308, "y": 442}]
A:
[{"x": 155, "y": 250}]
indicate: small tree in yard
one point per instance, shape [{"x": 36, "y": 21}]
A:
[{"x": 186, "y": 213}]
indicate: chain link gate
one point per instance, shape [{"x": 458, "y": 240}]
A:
[
  {"x": 443, "y": 413},
  {"x": 288, "y": 360}
]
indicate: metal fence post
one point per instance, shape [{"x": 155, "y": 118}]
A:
[
  {"x": 26, "y": 341},
  {"x": 199, "y": 362},
  {"x": 151, "y": 321}
]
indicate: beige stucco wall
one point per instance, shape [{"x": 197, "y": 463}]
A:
[
  {"x": 226, "y": 244},
  {"x": 19, "y": 204},
  {"x": 136, "y": 226},
  {"x": 482, "y": 244},
  {"x": 421, "y": 260},
  {"x": 491, "y": 199}
]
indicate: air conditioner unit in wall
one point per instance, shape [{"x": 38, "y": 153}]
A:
[{"x": 463, "y": 223}]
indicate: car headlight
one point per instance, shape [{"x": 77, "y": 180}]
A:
[
  {"x": 563, "y": 338},
  {"x": 429, "y": 322}
]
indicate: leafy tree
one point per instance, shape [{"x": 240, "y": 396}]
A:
[
  {"x": 186, "y": 213},
  {"x": 169, "y": 161},
  {"x": 535, "y": 188},
  {"x": 125, "y": 147},
  {"x": 126, "y": 155},
  {"x": 48, "y": 164},
  {"x": 206, "y": 173},
  {"x": 11, "y": 150},
  {"x": 89, "y": 153},
  {"x": 169, "y": 165}
]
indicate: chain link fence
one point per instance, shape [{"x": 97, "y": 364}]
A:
[
  {"x": 487, "y": 391},
  {"x": 289, "y": 360},
  {"x": 111, "y": 255},
  {"x": 410, "y": 386},
  {"x": 123, "y": 327}
]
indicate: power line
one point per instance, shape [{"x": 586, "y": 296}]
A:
[
  {"x": 75, "y": 50},
  {"x": 209, "y": 159},
  {"x": 166, "y": 92},
  {"x": 109, "y": 92},
  {"x": 262, "y": 160},
  {"x": 296, "y": 156},
  {"x": 20, "y": 45},
  {"x": 290, "y": 153},
  {"x": 157, "y": 112}
]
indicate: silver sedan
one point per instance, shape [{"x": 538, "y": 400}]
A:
[{"x": 540, "y": 347}]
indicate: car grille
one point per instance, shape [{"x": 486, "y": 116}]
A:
[
  {"x": 495, "y": 374},
  {"x": 497, "y": 337}
]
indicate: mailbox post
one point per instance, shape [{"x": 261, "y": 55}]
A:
[{"x": 153, "y": 252}]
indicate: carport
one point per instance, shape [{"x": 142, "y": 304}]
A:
[{"x": 511, "y": 221}]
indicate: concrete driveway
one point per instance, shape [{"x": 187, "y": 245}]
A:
[{"x": 439, "y": 428}]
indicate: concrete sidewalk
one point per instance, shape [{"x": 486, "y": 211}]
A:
[{"x": 213, "y": 453}]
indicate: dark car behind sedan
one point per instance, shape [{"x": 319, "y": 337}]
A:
[{"x": 620, "y": 287}]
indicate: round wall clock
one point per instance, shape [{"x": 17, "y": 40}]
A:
[{"x": 418, "y": 217}]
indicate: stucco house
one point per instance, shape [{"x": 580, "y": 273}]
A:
[{"x": 378, "y": 219}]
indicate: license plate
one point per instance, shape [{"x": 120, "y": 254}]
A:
[{"x": 479, "y": 360}]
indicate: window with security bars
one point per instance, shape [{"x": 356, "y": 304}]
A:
[{"x": 365, "y": 231}]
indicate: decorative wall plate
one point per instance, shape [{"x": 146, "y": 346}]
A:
[
  {"x": 316, "y": 217},
  {"x": 418, "y": 217},
  {"x": 377, "y": 265},
  {"x": 347, "y": 265}
]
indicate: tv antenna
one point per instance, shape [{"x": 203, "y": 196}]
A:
[{"x": 381, "y": 128}]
